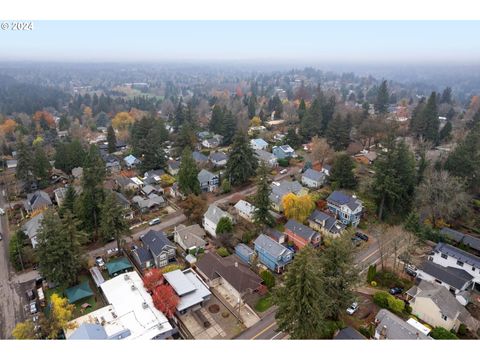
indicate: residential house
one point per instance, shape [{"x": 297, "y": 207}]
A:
[
  {"x": 212, "y": 217},
  {"x": 31, "y": 228},
  {"x": 59, "y": 194},
  {"x": 199, "y": 158},
  {"x": 228, "y": 272},
  {"x": 454, "y": 279},
  {"x": 190, "y": 238},
  {"x": 153, "y": 177},
  {"x": 276, "y": 235},
  {"x": 256, "y": 129},
  {"x": 152, "y": 189},
  {"x": 280, "y": 189},
  {"x": 161, "y": 249},
  {"x": 131, "y": 161},
  {"x": 77, "y": 173},
  {"x": 326, "y": 224},
  {"x": 212, "y": 142},
  {"x": 218, "y": 159},
  {"x": 313, "y": 179},
  {"x": 244, "y": 253},
  {"x": 245, "y": 210},
  {"x": 460, "y": 238},
  {"x": 173, "y": 166},
  {"x": 209, "y": 182},
  {"x": 12, "y": 164},
  {"x": 267, "y": 158},
  {"x": 190, "y": 289},
  {"x": 365, "y": 157},
  {"x": 124, "y": 204},
  {"x": 36, "y": 201},
  {"x": 301, "y": 235},
  {"x": 126, "y": 184},
  {"x": 112, "y": 163},
  {"x": 270, "y": 253},
  {"x": 435, "y": 305},
  {"x": 149, "y": 203},
  {"x": 258, "y": 144},
  {"x": 449, "y": 256},
  {"x": 283, "y": 152},
  {"x": 348, "y": 209},
  {"x": 203, "y": 135},
  {"x": 349, "y": 333},
  {"x": 390, "y": 327}
]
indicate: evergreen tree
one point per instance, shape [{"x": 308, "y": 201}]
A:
[
  {"x": 186, "y": 137},
  {"x": 311, "y": 123},
  {"x": 302, "y": 110},
  {"x": 430, "y": 117},
  {"x": 229, "y": 127},
  {"x": 112, "y": 140},
  {"x": 59, "y": 252},
  {"x": 342, "y": 175},
  {"x": 328, "y": 109},
  {"x": 394, "y": 183},
  {"x": 68, "y": 203},
  {"x": 381, "y": 103},
  {"x": 251, "y": 107},
  {"x": 15, "y": 250},
  {"x": 446, "y": 132},
  {"x": 261, "y": 202},
  {"x": 293, "y": 139},
  {"x": 242, "y": 162},
  {"x": 339, "y": 275},
  {"x": 24, "y": 164},
  {"x": 112, "y": 221},
  {"x": 187, "y": 174},
  {"x": 446, "y": 96},
  {"x": 216, "y": 122},
  {"x": 179, "y": 115},
  {"x": 338, "y": 132},
  {"x": 417, "y": 125},
  {"x": 154, "y": 155},
  {"x": 41, "y": 166},
  {"x": 275, "y": 104},
  {"x": 302, "y": 302}
]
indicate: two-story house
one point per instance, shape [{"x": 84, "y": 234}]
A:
[
  {"x": 212, "y": 217},
  {"x": 348, "y": 209},
  {"x": 131, "y": 161},
  {"x": 301, "y": 235},
  {"x": 258, "y": 144},
  {"x": 326, "y": 224},
  {"x": 283, "y": 152},
  {"x": 218, "y": 158},
  {"x": 190, "y": 238},
  {"x": 209, "y": 182},
  {"x": 267, "y": 158},
  {"x": 270, "y": 253},
  {"x": 160, "y": 248},
  {"x": 313, "y": 179},
  {"x": 461, "y": 238},
  {"x": 36, "y": 201},
  {"x": 245, "y": 210},
  {"x": 280, "y": 189}
]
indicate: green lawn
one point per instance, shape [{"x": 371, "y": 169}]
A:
[{"x": 264, "y": 303}]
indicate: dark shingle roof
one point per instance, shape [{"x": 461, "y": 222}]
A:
[
  {"x": 459, "y": 237},
  {"x": 339, "y": 198},
  {"x": 300, "y": 230},
  {"x": 449, "y": 275},
  {"x": 270, "y": 246},
  {"x": 458, "y": 254},
  {"x": 218, "y": 156},
  {"x": 349, "y": 333},
  {"x": 143, "y": 255},
  {"x": 155, "y": 241},
  {"x": 331, "y": 224},
  {"x": 314, "y": 175},
  {"x": 199, "y": 157}
]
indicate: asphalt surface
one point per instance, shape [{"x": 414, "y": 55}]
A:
[{"x": 265, "y": 329}]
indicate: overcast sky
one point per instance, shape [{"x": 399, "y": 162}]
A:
[{"x": 279, "y": 41}]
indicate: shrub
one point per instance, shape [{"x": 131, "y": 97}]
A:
[
  {"x": 462, "y": 330},
  {"x": 365, "y": 331},
  {"x": 283, "y": 162},
  {"x": 223, "y": 252},
  {"x": 408, "y": 309},
  {"x": 395, "y": 305},
  {"x": 226, "y": 186},
  {"x": 225, "y": 225},
  {"x": 381, "y": 299},
  {"x": 268, "y": 279},
  {"x": 372, "y": 270},
  {"x": 441, "y": 333}
]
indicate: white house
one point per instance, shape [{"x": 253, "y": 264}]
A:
[
  {"x": 313, "y": 179},
  {"x": 212, "y": 217},
  {"x": 245, "y": 210},
  {"x": 258, "y": 144}
]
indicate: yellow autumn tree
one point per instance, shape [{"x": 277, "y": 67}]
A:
[
  {"x": 122, "y": 121},
  {"x": 87, "y": 112},
  {"x": 61, "y": 312},
  {"x": 24, "y": 330},
  {"x": 297, "y": 207},
  {"x": 255, "y": 121}
]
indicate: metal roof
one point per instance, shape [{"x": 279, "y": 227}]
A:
[
  {"x": 270, "y": 246},
  {"x": 458, "y": 254}
]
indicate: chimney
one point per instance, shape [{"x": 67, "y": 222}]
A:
[{"x": 236, "y": 264}]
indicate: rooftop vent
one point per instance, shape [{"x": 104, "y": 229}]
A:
[
  {"x": 144, "y": 305},
  {"x": 133, "y": 287},
  {"x": 126, "y": 277}
]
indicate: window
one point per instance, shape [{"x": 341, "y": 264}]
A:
[
  {"x": 444, "y": 317},
  {"x": 473, "y": 268},
  {"x": 459, "y": 263},
  {"x": 444, "y": 256}
]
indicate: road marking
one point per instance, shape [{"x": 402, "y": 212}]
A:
[
  {"x": 261, "y": 332},
  {"x": 280, "y": 333}
]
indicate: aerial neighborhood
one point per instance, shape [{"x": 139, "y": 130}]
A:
[{"x": 281, "y": 205}]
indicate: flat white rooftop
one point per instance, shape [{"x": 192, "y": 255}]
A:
[{"x": 187, "y": 280}]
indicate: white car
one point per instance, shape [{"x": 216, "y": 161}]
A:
[
  {"x": 2, "y": 212},
  {"x": 99, "y": 261},
  {"x": 33, "y": 307},
  {"x": 284, "y": 171},
  {"x": 154, "y": 221},
  {"x": 352, "y": 309}
]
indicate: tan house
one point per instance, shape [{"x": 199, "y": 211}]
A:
[{"x": 437, "y": 306}]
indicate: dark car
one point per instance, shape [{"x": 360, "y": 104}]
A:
[
  {"x": 30, "y": 295},
  {"x": 1, "y": 237},
  {"x": 361, "y": 236},
  {"x": 396, "y": 290}
]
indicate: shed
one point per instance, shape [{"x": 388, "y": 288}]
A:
[{"x": 118, "y": 266}]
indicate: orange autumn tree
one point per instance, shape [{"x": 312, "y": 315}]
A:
[
  {"x": 165, "y": 300},
  {"x": 152, "y": 278},
  {"x": 8, "y": 126},
  {"x": 297, "y": 207},
  {"x": 45, "y": 116}
]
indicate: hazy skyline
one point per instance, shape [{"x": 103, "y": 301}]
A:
[{"x": 307, "y": 42}]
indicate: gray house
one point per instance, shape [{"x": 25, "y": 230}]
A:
[
  {"x": 325, "y": 223},
  {"x": 37, "y": 201},
  {"x": 161, "y": 249},
  {"x": 390, "y": 327},
  {"x": 190, "y": 238},
  {"x": 208, "y": 181},
  {"x": 313, "y": 179}
]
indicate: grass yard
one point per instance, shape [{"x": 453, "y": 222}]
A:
[{"x": 264, "y": 303}]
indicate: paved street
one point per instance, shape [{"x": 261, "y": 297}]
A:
[{"x": 265, "y": 329}]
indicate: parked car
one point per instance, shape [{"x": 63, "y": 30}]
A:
[
  {"x": 2, "y": 212},
  {"x": 361, "y": 236},
  {"x": 99, "y": 261},
  {"x": 396, "y": 290},
  {"x": 284, "y": 171},
  {"x": 1, "y": 236},
  {"x": 411, "y": 270},
  {"x": 352, "y": 309},
  {"x": 33, "y": 307},
  {"x": 154, "y": 221},
  {"x": 30, "y": 295}
]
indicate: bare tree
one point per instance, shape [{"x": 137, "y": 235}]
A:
[
  {"x": 321, "y": 151},
  {"x": 442, "y": 196}
]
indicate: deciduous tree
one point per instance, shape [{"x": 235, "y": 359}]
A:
[
  {"x": 165, "y": 300},
  {"x": 297, "y": 207},
  {"x": 152, "y": 278}
]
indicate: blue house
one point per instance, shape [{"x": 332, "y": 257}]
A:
[
  {"x": 272, "y": 254},
  {"x": 283, "y": 152},
  {"x": 348, "y": 209},
  {"x": 244, "y": 253},
  {"x": 131, "y": 161}
]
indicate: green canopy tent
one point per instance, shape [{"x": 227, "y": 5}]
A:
[
  {"x": 118, "y": 266},
  {"x": 78, "y": 292}
]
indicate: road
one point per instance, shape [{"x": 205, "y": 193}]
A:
[
  {"x": 11, "y": 300},
  {"x": 265, "y": 329}
]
